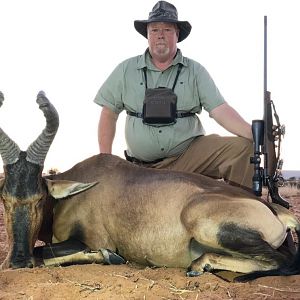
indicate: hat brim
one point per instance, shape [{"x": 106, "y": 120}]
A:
[{"x": 184, "y": 27}]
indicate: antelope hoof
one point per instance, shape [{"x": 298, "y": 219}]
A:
[
  {"x": 193, "y": 273},
  {"x": 112, "y": 258},
  {"x": 208, "y": 268}
]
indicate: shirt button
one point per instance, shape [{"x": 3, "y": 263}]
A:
[{"x": 162, "y": 149}]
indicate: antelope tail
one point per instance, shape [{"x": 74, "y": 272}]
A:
[{"x": 290, "y": 269}]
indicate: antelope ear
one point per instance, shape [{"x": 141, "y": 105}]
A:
[{"x": 64, "y": 188}]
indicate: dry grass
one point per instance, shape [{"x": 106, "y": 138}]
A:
[
  {"x": 289, "y": 191},
  {"x": 285, "y": 191}
]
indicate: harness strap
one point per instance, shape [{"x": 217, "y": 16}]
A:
[
  {"x": 178, "y": 114},
  {"x": 176, "y": 77},
  {"x": 145, "y": 75},
  {"x": 141, "y": 162}
]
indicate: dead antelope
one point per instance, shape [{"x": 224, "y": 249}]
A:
[{"x": 105, "y": 209}]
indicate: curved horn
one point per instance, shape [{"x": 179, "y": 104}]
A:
[
  {"x": 1, "y": 98},
  {"x": 37, "y": 151},
  {"x": 9, "y": 150}
]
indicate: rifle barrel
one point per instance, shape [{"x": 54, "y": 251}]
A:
[{"x": 265, "y": 55}]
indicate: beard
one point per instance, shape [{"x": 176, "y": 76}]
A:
[{"x": 160, "y": 51}]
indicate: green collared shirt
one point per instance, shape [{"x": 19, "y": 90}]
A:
[{"x": 124, "y": 89}]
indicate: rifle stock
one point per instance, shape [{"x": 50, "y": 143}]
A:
[{"x": 269, "y": 139}]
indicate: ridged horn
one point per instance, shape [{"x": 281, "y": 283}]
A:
[
  {"x": 9, "y": 150},
  {"x": 37, "y": 151}
]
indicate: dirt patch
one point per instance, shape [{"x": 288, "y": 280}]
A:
[{"x": 133, "y": 282}]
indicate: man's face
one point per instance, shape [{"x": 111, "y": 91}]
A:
[{"x": 162, "y": 40}]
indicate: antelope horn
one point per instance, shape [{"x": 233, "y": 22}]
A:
[
  {"x": 9, "y": 150},
  {"x": 37, "y": 151},
  {"x": 1, "y": 98}
]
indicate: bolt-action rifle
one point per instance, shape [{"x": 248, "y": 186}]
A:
[{"x": 267, "y": 138}]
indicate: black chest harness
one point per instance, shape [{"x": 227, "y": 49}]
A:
[{"x": 160, "y": 104}]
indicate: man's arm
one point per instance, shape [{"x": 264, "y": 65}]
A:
[
  {"x": 229, "y": 119},
  {"x": 106, "y": 129}
]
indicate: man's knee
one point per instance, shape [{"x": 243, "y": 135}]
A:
[{"x": 244, "y": 146}]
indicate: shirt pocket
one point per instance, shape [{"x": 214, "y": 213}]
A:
[
  {"x": 187, "y": 96},
  {"x": 134, "y": 96}
]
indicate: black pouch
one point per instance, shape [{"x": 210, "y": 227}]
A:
[{"x": 159, "y": 106}]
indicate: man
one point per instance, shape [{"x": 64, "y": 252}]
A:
[{"x": 162, "y": 91}]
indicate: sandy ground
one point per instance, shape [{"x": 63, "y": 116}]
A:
[{"x": 134, "y": 282}]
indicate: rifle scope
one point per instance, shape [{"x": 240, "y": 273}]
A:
[{"x": 258, "y": 141}]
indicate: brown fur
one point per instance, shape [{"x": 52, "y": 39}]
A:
[{"x": 150, "y": 216}]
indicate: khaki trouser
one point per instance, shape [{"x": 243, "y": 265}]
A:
[{"x": 219, "y": 157}]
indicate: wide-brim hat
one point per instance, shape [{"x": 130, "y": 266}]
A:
[{"x": 164, "y": 11}]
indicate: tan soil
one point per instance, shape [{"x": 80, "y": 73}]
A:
[{"x": 133, "y": 282}]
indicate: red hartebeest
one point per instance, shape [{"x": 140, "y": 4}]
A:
[{"x": 105, "y": 209}]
